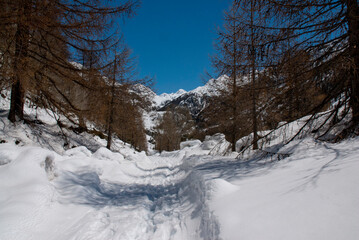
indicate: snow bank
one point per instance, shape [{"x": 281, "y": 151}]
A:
[
  {"x": 217, "y": 144},
  {"x": 105, "y": 154},
  {"x": 311, "y": 195},
  {"x": 190, "y": 144},
  {"x": 25, "y": 191},
  {"x": 78, "y": 151}
]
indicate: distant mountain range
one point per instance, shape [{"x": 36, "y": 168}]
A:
[{"x": 195, "y": 100}]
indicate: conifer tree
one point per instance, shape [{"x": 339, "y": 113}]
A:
[
  {"x": 45, "y": 36},
  {"x": 175, "y": 126},
  {"x": 328, "y": 31},
  {"x": 228, "y": 62},
  {"x": 242, "y": 56}
]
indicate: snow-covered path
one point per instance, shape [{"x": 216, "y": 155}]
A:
[
  {"x": 173, "y": 209},
  {"x": 186, "y": 194},
  {"x": 99, "y": 196}
]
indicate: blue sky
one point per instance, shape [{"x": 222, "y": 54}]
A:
[{"x": 172, "y": 40}]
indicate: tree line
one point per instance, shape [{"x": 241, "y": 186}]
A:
[
  {"x": 69, "y": 57},
  {"x": 285, "y": 59}
]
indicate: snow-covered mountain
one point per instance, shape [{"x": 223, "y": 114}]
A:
[
  {"x": 195, "y": 100},
  {"x": 165, "y": 98},
  {"x": 212, "y": 87}
]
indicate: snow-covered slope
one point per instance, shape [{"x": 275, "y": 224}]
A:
[
  {"x": 164, "y": 98},
  {"x": 46, "y": 133},
  {"x": 209, "y": 89},
  {"x": 212, "y": 87},
  {"x": 313, "y": 194},
  {"x": 192, "y": 193},
  {"x": 195, "y": 100}
]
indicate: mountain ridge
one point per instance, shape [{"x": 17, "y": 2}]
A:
[{"x": 195, "y": 100}]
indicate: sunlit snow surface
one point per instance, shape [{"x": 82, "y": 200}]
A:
[
  {"x": 162, "y": 99},
  {"x": 313, "y": 194},
  {"x": 102, "y": 196},
  {"x": 89, "y": 192}
]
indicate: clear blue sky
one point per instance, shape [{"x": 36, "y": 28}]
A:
[{"x": 172, "y": 40}]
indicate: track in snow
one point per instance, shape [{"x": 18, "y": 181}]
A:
[{"x": 174, "y": 210}]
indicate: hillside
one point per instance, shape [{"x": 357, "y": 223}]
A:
[{"x": 194, "y": 101}]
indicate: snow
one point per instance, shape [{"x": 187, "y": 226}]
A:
[
  {"x": 209, "y": 89},
  {"x": 162, "y": 99},
  {"x": 96, "y": 198},
  {"x": 212, "y": 87},
  {"x": 310, "y": 195},
  {"x": 77, "y": 65},
  {"x": 198, "y": 192},
  {"x": 190, "y": 144},
  {"x": 194, "y": 100},
  {"x": 185, "y": 194}
]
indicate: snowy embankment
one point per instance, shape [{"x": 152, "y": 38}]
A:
[
  {"x": 313, "y": 194},
  {"x": 89, "y": 192}
]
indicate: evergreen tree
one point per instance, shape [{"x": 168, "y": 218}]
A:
[
  {"x": 242, "y": 55},
  {"x": 175, "y": 126},
  {"x": 328, "y": 31},
  {"x": 228, "y": 62},
  {"x": 43, "y": 34}
]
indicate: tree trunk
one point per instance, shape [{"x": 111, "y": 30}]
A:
[
  {"x": 111, "y": 106},
  {"x": 253, "y": 72},
  {"x": 234, "y": 123},
  {"x": 20, "y": 63},
  {"x": 254, "y": 111},
  {"x": 17, "y": 101},
  {"x": 234, "y": 90},
  {"x": 353, "y": 25},
  {"x": 110, "y": 117}
]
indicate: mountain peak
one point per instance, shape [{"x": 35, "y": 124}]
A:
[
  {"x": 209, "y": 89},
  {"x": 180, "y": 92},
  {"x": 164, "y": 98}
]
